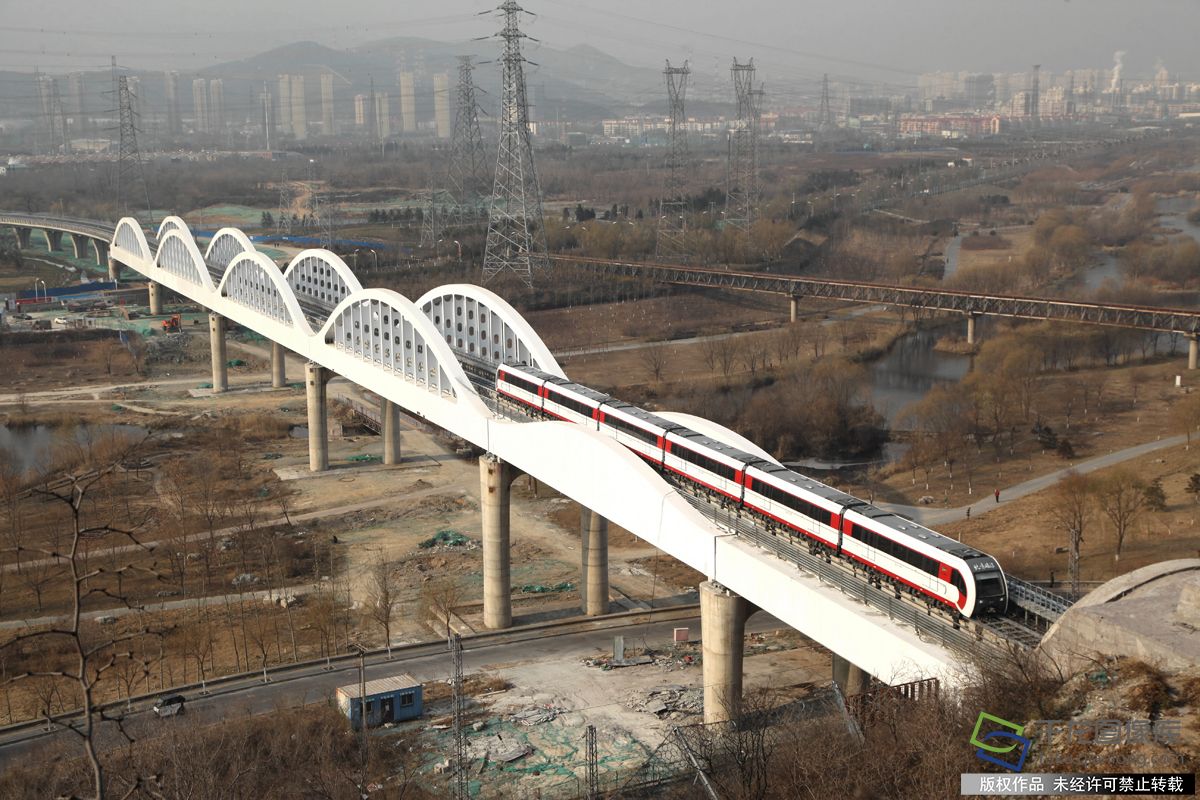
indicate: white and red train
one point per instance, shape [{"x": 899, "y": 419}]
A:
[{"x": 912, "y": 557}]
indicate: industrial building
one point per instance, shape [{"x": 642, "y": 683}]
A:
[{"x": 393, "y": 699}]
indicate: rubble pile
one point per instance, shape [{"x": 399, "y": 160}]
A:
[{"x": 668, "y": 702}]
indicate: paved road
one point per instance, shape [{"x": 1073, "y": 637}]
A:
[
  {"x": 934, "y": 516},
  {"x": 425, "y": 663}
]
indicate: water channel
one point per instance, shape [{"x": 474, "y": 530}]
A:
[{"x": 32, "y": 447}]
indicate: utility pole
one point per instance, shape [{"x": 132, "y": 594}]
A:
[
  {"x": 672, "y": 223},
  {"x": 593, "y": 777},
  {"x": 129, "y": 159},
  {"x": 1035, "y": 100},
  {"x": 461, "y": 789},
  {"x": 364, "y": 756},
  {"x": 516, "y": 239},
  {"x": 742, "y": 164}
]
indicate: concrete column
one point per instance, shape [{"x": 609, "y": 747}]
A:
[
  {"x": 722, "y": 635},
  {"x": 391, "y": 432},
  {"x": 971, "y": 328},
  {"x": 793, "y": 308},
  {"x": 155, "y": 298},
  {"x": 114, "y": 270},
  {"x": 100, "y": 247},
  {"x": 79, "y": 245},
  {"x": 220, "y": 365},
  {"x": 23, "y": 237},
  {"x": 278, "y": 366},
  {"x": 495, "y": 476},
  {"x": 315, "y": 377},
  {"x": 1193, "y": 351},
  {"x": 593, "y": 534},
  {"x": 850, "y": 678}
]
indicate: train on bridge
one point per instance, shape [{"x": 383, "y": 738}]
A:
[{"x": 914, "y": 559}]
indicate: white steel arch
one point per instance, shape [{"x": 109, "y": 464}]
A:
[
  {"x": 172, "y": 223},
  {"x": 253, "y": 280},
  {"x": 226, "y": 245},
  {"x": 385, "y": 328},
  {"x": 179, "y": 255},
  {"x": 321, "y": 277},
  {"x": 130, "y": 236},
  {"x": 480, "y": 324}
]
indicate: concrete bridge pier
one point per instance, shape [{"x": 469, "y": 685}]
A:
[
  {"x": 23, "y": 237},
  {"x": 1193, "y": 350},
  {"x": 100, "y": 248},
  {"x": 723, "y": 616},
  {"x": 971, "y": 328},
  {"x": 391, "y": 432},
  {"x": 114, "y": 269},
  {"x": 593, "y": 535},
  {"x": 315, "y": 378},
  {"x": 793, "y": 308},
  {"x": 220, "y": 364},
  {"x": 278, "y": 366},
  {"x": 495, "y": 479},
  {"x": 155, "y": 297},
  {"x": 53, "y": 239},
  {"x": 850, "y": 678}
]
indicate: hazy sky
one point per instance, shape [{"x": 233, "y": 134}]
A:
[{"x": 788, "y": 38}]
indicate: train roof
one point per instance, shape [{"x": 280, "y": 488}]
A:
[
  {"x": 630, "y": 410},
  {"x": 579, "y": 389},
  {"x": 811, "y": 485},
  {"x": 918, "y": 531},
  {"x": 707, "y": 442}
]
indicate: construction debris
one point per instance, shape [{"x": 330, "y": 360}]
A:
[
  {"x": 537, "y": 715},
  {"x": 668, "y": 700}
]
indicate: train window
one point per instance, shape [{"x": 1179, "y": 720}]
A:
[{"x": 957, "y": 580}]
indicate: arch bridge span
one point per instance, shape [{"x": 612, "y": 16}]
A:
[{"x": 428, "y": 356}]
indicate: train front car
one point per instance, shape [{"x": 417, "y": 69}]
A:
[{"x": 991, "y": 587}]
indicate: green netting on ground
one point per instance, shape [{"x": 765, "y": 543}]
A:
[
  {"x": 538, "y": 588},
  {"x": 446, "y": 537},
  {"x": 363, "y": 458}
]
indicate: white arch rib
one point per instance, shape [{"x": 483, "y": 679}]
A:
[
  {"x": 128, "y": 229},
  {"x": 330, "y": 260},
  {"x": 499, "y": 307},
  {"x": 172, "y": 223},
  {"x": 242, "y": 241},
  {"x": 443, "y": 355},
  {"x": 260, "y": 263},
  {"x": 193, "y": 252}
]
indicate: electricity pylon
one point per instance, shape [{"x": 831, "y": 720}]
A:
[{"x": 671, "y": 241}]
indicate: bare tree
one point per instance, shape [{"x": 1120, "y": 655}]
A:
[
  {"x": 90, "y": 659},
  {"x": 383, "y": 597},
  {"x": 1121, "y": 496},
  {"x": 439, "y": 597},
  {"x": 654, "y": 359},
  {"x": 1072, "y": 509}
]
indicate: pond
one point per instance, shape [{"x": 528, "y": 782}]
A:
[{"x": 32, "y": 447}]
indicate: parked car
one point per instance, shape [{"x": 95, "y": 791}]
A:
[{"x": 169, "y": 706}]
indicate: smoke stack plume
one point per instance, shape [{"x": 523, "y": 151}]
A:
[{"x": 1115, "y": 85}]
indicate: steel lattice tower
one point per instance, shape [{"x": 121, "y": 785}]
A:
[
  {"x": 468, "y": 164},
  {"x": 516, "y": 238},
  {"x": 742, "y": 161},
  {"x": 283, "y": 222},
  {"x": 1035, "y": 97},
  {"x": 672, "y": 240},
  {"x": 593, "y": 777},
  {"x": 129, "y": 159},
  {"x": 825, "y": 114},
  {"x": 461, "y": 789}
]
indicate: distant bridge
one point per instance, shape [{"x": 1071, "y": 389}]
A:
[{"x": 972, "y": 304}]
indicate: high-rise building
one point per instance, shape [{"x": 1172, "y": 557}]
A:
[
  {"x": 980, "y": 91},
  {"x": 200, "y": 105},
  {"x": 383, "y": 118},
  {"x": 283, "y": 119},
  {"x": 75, "y": 102},
  {"x": 360, "y": 110},
  {"x": 174, "y": 126},
  {"x": 441, "y": 104},
  {"x": 216, "y": 105},
  {"x": 299, "y": 109},
  {"x": 327, "y": 103},
  {"x": 266, "y": 117},
  {"x": 408, "y": 102}
]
